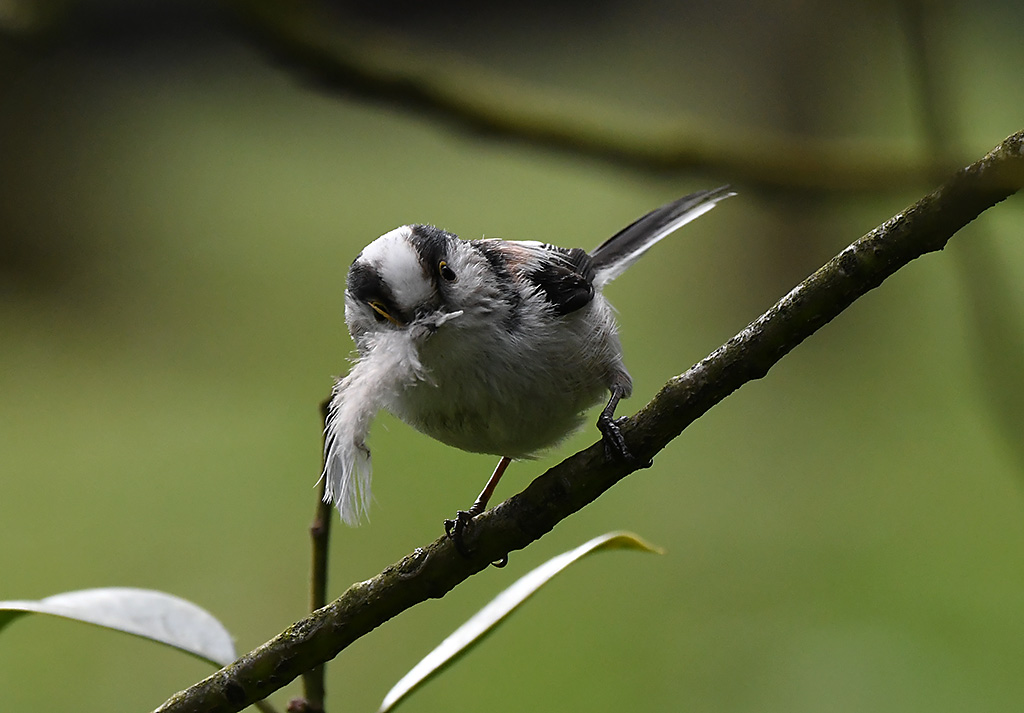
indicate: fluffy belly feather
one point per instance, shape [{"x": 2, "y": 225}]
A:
[{"x": 462, "y": 404}]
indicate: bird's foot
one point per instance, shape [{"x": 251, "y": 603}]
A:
[
  {"x": 615, "y": 445},
  {"x": 456, "y": 529}
]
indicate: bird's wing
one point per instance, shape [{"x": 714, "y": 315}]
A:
[{"x": 564, "y": 276}]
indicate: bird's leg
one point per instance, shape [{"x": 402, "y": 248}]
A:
[
  {"x": 456, "y": 527},
  {"x": 614, "y": 443}
]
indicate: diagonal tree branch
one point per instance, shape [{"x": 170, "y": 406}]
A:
[
  {"x": 432, "y": 571},
  {"x": 343, "y": 55}
]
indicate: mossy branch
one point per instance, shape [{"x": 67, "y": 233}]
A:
[{"x": 435, "y": 569}]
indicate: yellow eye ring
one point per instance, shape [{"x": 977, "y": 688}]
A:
[
  {"x": 381, "y": 310},
  {"x": 446, "y": 272}
]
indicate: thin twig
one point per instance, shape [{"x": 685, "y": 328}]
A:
[
  {"x": 320, "y": 534},
  {"x": 432, "y": 571}
]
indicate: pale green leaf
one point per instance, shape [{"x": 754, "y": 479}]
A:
[
  {"x": 481, "y": 623},
  {"x": 142, "y": 612}
]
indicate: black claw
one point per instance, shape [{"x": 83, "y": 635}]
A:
[
  {"x": 614, "y": 444},
  {"x": 456, "y": 530}
]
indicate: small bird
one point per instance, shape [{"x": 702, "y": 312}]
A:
[{"x": 492, "y": 346}]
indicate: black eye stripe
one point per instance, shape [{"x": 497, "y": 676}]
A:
[{"x": 366, "y": 285}]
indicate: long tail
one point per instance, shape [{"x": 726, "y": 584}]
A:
[{"x": 614, "y": 255}]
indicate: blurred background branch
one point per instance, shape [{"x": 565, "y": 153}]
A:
[
  {"x": 344, "y": 54},
  {"x": 997, "y": 346}
]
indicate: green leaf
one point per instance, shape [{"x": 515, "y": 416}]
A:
[
  {"x": 142, "y": 612},
  {"x": 483, "y": 622}
]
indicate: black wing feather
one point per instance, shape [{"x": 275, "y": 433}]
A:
[{"x": 566, "y": 281}]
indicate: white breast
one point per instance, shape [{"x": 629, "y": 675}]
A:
[{"x": 487, "y": 393}]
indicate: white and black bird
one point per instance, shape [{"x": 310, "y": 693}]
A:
[{"x": 492, "y": 346}]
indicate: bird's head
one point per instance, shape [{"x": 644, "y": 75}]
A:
[{"x": 414, "y": 276}]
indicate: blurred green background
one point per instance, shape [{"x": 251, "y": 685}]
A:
[{"x": 178, "y": 209}]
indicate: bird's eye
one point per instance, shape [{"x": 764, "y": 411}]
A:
[
  {"x": 380, "y": 312},
  {"x": 446, "y": 272}
]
